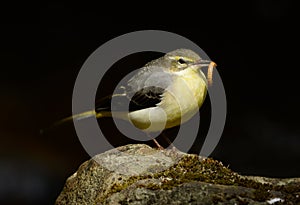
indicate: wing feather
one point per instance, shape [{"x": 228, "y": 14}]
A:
[{"x": 143, "y": 90}]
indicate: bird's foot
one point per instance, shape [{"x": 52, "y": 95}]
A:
[{"x": 158, "y": 145}]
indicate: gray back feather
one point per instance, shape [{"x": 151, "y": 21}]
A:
[{"x": 149, "y": 76}]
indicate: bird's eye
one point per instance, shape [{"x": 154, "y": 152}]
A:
[{"x": 181, "y": 61}]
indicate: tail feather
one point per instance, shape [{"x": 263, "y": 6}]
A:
[
  {"x": 84, "y": 115},
  {"x": 79, "y": 116},
  {"x": 87, "y": 114},
  {"x": 98, "y": 113}
]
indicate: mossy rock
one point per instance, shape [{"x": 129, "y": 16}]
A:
[{"x": 139, "y": 174}]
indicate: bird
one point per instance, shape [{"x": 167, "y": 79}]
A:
[{"x": 164, "y": 93}]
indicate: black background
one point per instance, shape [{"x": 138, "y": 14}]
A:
[{"x": 43, "y": 49}]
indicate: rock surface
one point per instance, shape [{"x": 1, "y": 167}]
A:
[{"x": 139, "y": 174}]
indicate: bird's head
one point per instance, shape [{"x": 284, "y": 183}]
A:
[{"x": 182, "y": 59}]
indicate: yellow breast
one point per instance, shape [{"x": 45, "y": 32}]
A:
[
  {"x": 180, "y": 102},
  {"x": 184, "y": 97}
]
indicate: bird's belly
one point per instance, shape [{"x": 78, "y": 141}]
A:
[{"x": 150, "y": 120}]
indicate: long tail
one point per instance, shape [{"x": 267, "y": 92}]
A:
[
  {"x": 87, "y": 114},
  {"x": 93, "y": 113},
  {"x": 84, "y": 115},
  {"x": 98, "y": 113}
]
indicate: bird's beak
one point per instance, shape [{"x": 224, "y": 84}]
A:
[{"x": 202, "y": 63}]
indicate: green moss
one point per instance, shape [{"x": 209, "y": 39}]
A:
[
  {"x": 190, "y": 168},
  {"x": 217, "y": 198},
  {"x": 291, "y": 188},
  {"x": 120, "y": 186},
  {"x": 261, "y": 195}
]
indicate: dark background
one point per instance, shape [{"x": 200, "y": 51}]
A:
[{"x": 254, "y": 45}]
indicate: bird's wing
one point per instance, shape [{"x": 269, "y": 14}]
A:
[
  {"x": 142, "y": 91},
  {"x": 145, "y": 89},
  {"x": 145, "y": 98}
]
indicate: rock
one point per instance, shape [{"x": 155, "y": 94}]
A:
[{"x": 139, "y": 174}]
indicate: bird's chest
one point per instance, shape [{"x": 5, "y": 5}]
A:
[
  {"x": 188, "y": 89},
  {"x": 184, "y": 97},
  {"x": 193, "y": 87}
]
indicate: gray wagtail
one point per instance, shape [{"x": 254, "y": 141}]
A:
[{"x": 165, "y": 92}]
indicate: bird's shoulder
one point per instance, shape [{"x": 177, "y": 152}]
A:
[{"x": 149, "y": 76}]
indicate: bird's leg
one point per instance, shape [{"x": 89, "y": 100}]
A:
[
  {"x": 154, "y": 140},
  {"x": 169, "y": 142},
  {"x": 157, "y": 144}
]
